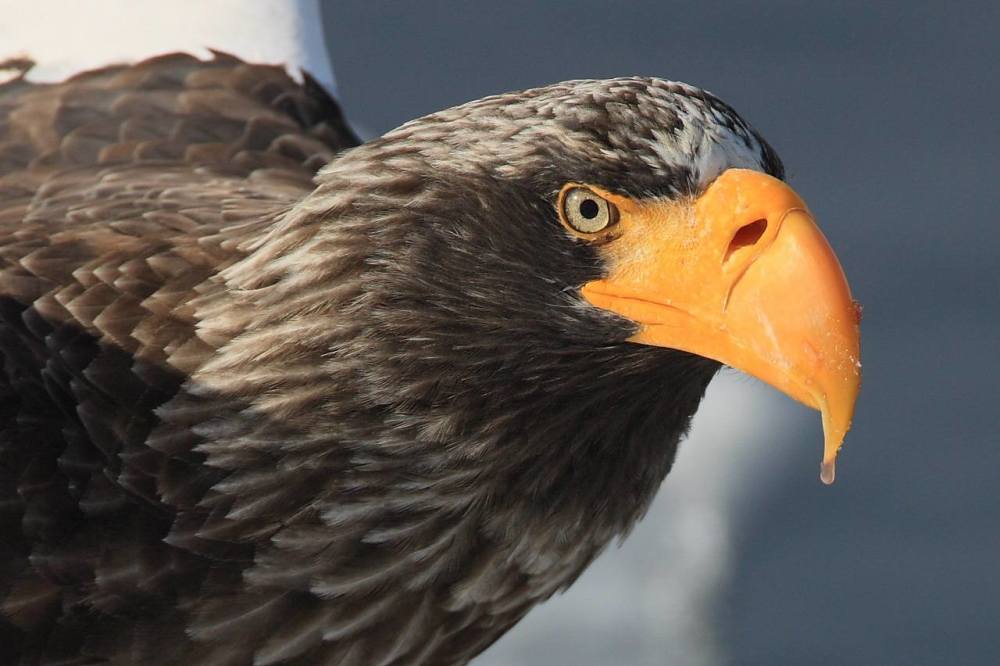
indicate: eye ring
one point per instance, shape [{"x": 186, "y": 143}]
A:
[{"x": 585, "y": 211}]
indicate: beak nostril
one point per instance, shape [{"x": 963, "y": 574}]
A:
[{"x": 745, "y": 236}]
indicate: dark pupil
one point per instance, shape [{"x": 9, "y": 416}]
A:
[{"x": 589, "y": 208}]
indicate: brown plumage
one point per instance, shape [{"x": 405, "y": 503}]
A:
[{"x": 251, "y": 419}]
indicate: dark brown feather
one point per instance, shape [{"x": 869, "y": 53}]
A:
[
  {"x": 116, "y": 194},
  {"x": 254, "y": 414}
]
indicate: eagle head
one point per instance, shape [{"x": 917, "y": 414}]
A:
[{"x": 528, "y": 295}]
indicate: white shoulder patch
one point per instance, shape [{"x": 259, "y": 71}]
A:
[{"x": 64, "y": 38}]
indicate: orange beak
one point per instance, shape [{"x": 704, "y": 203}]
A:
[{"x": 744, "y": 276}]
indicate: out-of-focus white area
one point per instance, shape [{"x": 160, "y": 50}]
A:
[
  {"x": 65, "y": 37},
  {"x": 653, "y": 600}
]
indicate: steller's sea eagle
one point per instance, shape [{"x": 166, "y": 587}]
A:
[{"x": 272, "y": 397}]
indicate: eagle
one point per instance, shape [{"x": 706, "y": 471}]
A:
[{"x": 272, "y": 396}]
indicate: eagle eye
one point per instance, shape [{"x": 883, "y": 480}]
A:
[{"x": 584, "y": 211}]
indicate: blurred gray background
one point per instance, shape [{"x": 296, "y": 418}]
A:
[{"x": 886, "y": 116}]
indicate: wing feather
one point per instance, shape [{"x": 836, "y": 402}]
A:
[{"x": 123, "y": 193}]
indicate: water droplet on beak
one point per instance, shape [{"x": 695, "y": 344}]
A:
[{"x": 827, "y": 472}]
